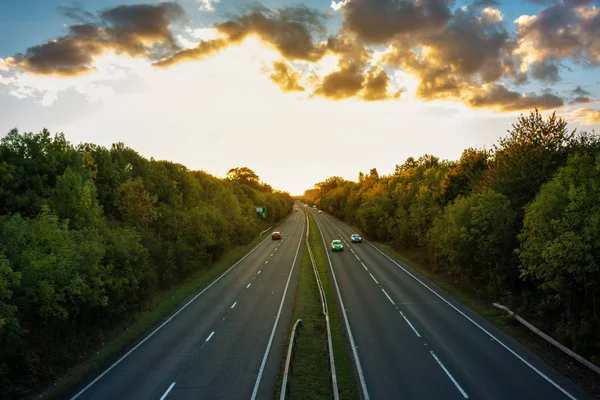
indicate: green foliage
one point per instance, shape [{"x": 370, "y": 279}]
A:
[
  {"x": 470, "y": 241},
  {"x": 470, "y": 216},
  {"x": 89, "y": 235},
  {"x": 560, "y": 246}
]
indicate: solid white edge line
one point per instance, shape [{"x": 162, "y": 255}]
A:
[
  {"x": 234, "y": 304},
  {"x": 167, "y": 392},
  {"x": 209, "y": 336},
  {"x": 269, "y": 344},
  {"x": 449, "y": 375},
  {"x": 409, "y": 324},
  {"x": 540, "y": 373},
  {"x": 361, "y": 377},
  {"x": 372, "y": 277},
  {"x": 106, "y": 371},
  {"x": 388, "y": 296}
]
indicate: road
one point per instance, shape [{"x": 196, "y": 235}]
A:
[
  {"x": 227, "y": 343},
  {"x": 413, "y": 341}
]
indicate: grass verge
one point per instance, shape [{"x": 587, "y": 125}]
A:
[
  {"x": 346, "y": 379},
  {"x": 309, "y": 376},
  {"x": 126, "y": 335}
]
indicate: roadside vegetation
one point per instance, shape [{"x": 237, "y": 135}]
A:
[
  {"x": 518, "y": 224},
  {"x": 95, "y": 240}
]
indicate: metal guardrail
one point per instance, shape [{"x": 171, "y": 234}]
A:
[
  {"x": 288, "y": 361},
  {"x": 334, "y": 385},
  {"x": 550, "y": 340},
  {"x": 266, "y": 230}
]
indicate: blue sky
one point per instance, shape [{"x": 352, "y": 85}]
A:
[{"x": 221, "y": 101}]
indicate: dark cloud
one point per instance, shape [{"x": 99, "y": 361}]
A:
[
  {"x": 136, "y": 30},
  {"x": 376, "y": 85},
  {"x": 342, "y": 84},
  {"x": 545, "y": 71},
  {"x": 581, "y": 100},
  {"x": 379, "y": 21},
  {"x": 565, "y": 30},
  {"x": 290, "y": 30},
  {"x": 501, "y": 98},
  {"x": 579, "y": 91},
  {"x": 285, "y": 77}
]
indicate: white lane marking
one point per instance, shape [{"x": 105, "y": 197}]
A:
[
  {"x": 234, "y": 304},
  {"x": 209, "y": 336},
  {"x": 388, "y": 296},
  {"x": 372, "y": 277},
  {"x": 106, "y": 371},
  {"x": 248, "y": 285},
  {"x": 266, "y": 262},
  {"x": 258, "y": 272},
  {"x": 364, "y": 266},
  {"x": 270, "y": 343},
  {"x": 449, "y": 375},
  {"x": 540, "y": 373},
  {"x": 357, "y": 257},
  {"x": 409, "y": 324},
  {"x": 361, "y": 377},
  {"x": 167, "y": 392},
  {"x": 271, "y": 254}
]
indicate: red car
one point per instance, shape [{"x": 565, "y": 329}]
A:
[{"x": 276, "y": 235}]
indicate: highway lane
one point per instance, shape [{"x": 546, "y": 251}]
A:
[
  {"x": 415, "y": 342},
  {"x": 216, "y": 347}
]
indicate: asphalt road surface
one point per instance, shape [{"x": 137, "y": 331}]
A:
[
  {"x": 413, "y": 341},
  {"x": 227, "y": 343}
]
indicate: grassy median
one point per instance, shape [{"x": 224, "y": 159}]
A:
[
  {"x": 309, "y": 377},
  {"x": 161, "y": 307},
  {"x": 347, "y": 384}
]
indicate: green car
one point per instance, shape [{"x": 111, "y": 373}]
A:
[{"x": 337, "y": 245}]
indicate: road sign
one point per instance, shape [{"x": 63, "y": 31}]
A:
[{"x": 261, "y": 211}]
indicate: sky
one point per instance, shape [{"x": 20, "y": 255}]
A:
[{"x": 298, "y": 92}]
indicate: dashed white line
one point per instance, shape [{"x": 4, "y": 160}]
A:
[
  {"x": 167, "y": 392},
  {"x": 234, "y": 304},
  {"x": 388, "y": 296},
  {"x": 258, "y": 273},
  {"x": 409, "y": 324},
  {"x": 372, "y": 277},
  {"x": 449, "y": 375},
  {"x": 266, "y": 262},
  {"x": 357, "y": 257},
  {"x": 364, "y": 266},
  {"x": 248, "y": 285},
  {"x": 209, "y": 336},
  {"x": 271, "y": 254}
]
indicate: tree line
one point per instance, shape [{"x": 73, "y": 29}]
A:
[
  {"x": 88, "y": 235},
  {"x": 519, "y": 223}
]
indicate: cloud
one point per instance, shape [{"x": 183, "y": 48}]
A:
[
  {"x": 135, "y": 30},
  {"x": 581, "y": 100},
  {"x": 376, "y": 85},
  {"x": 336, "y": 6},
  {"x": 587, "y": 116},
  {"x": 501, "y": 98},
  {"x": 569, "y": 29},
  {"x": 579, "y": 91},
  {"x": 545, "y": 71},
  {"x": 285, "y": 77},
  {"x": 379, "y": 21},
  {"x": 289, "y": 30},
  {"x": 207, "y": 5}
]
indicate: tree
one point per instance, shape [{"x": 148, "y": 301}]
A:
[{"x": 245, "y": 176}]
